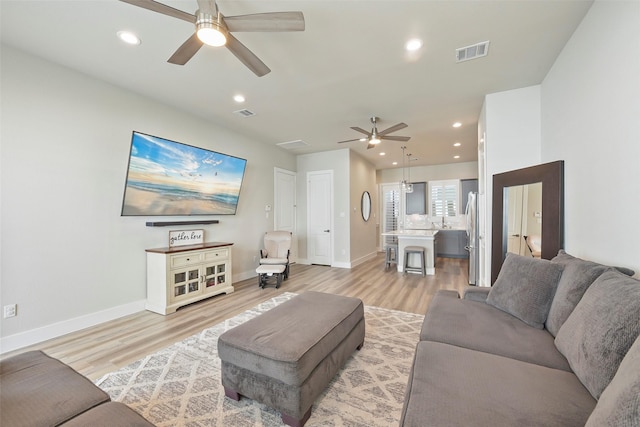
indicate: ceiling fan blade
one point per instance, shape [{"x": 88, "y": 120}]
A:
[
  {"x": 247, "y": 57},
  {"x": 366, "y": 132},
  {"x": 186, "y": 51},
  {"x": 272, "y": 21},
  {"x": 393, "y": 129},
  {"x": 163, "y": 9},
  {"x": 207, "y": 6},
  {"x": 369, "y": 146},
  {"x": 349, "y": 140},
  {"x": 395, "y": 138}
]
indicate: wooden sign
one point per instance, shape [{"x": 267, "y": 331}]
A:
[{"x": 185, "y": 237}]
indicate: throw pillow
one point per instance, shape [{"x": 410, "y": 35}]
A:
[
  {"x": 619, "y": 404},
  {"x": 577, "y": 276},
  {"x": 601, "y": 329},
  {"x": 525, "y": 287}
]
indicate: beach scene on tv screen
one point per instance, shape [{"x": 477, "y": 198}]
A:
[{"x": 170, "y": 178}]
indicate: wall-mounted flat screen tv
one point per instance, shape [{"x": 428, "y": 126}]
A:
[{"x": 169, "y": 178}]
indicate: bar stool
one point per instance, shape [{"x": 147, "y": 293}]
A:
[
  {"x": 414, "y": 250},
  {"x": 391, "y": 255}
]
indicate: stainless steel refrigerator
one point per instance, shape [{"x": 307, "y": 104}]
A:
[{"x": 472, "y": 237}]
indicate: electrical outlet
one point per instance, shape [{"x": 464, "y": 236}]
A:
[{"x": 10, "y": 310}]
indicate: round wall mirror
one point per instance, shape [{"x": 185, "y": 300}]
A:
[{"x": 366, "y": 205}]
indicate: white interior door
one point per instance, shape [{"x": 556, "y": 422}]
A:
[
  {"x": 319, "y": 217},
  {"x": 284, "y": 209}
]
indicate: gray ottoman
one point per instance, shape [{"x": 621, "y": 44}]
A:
[{"x": 287, "y": 356}]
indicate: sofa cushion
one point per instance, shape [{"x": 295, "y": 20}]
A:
[
  {"x": 479, "y": 326},
  {"x": 39, "y": 390},
  {"x": 525, "y": 288},
  {"x": 577, "y": 276},
  {"x": 454, "y": 386},
  {"x": 108, "y": 415},
  {"x": 601, "y": 329},
  {"x": 474, "y": 293},
  {"x": 619, "y": 404}
]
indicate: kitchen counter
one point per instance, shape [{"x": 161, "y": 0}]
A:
[
  {"x": 412, "y": 233},
  {"x": 424, "y": 238}
]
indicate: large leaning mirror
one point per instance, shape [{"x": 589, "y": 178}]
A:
[
  {"x": 366, "y": 205},
  {"x": 533, "y": 196}
]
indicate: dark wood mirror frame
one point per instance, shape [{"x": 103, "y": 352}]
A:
[{"x": 552, "y": 177}]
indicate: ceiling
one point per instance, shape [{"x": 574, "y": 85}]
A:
[{"x": 347, "y": 66}]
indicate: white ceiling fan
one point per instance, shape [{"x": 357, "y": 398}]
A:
[
  {"x": 214, "y": 29},
  {"x": 375, "y": 137}
]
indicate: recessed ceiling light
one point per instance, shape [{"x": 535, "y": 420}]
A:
[
  {"x": 383, "y": 154},
  {"x": 362, "y": 139},
  {"x": 413, "y": 45},
  {"x": 128, "y": 37},
  {"x": 456, "y": 157},
  {"x": 394, "y": 163},
  {"x": 457, "y": 124},
  {"x": 457, "y": 144},
  {"x": 238, "y": 98}
]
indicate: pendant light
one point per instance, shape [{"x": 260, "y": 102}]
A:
[{"x": 406, "y": 186}]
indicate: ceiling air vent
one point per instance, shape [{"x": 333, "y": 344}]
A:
[
  {"x": 298, "y": 143},
  {"x": 477, "y": 50},
  {"x": 245, "y": 113}
]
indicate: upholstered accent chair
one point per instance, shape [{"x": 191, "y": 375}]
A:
[{"x": 277, "y": 247}]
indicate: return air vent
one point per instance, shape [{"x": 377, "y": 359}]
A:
[
  {"x": 298, "y": 143},
  {"x": 477, "y": 50},
  {"x": 245, "y": 113}
]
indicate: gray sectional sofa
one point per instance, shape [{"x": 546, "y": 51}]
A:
[
  {"x": 552, "y": 343},
  {"x": 38, "y": 390}
]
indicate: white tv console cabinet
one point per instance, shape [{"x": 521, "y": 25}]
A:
[{"x": 178, "y": 276}]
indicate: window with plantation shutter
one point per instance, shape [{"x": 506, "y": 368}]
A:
[
  {"x": 390, "y": 211},
  {"x": 443, "y": 198}
]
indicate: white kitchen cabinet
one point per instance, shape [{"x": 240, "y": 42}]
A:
[{"x": 182, "y": 275}]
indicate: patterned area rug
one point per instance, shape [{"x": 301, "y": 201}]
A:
[{"x": 180, "y": 385}]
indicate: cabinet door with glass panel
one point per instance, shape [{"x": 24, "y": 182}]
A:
[
  {"x": 216, "y": 269},
  {"x": 186, "y": 283}
]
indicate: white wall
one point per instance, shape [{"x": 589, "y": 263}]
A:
[
  {"x": 591, "y": 120},
  {"x": 463, "y": 170},
  {"x": 69, "y": 260},
  {"x": 510, "y": 122}
]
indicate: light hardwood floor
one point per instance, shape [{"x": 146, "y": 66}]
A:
[{"x": 107, "y": 347}]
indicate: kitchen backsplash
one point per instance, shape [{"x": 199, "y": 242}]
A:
[{"x": 422, "y": 222}]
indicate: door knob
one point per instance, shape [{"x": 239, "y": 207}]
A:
[{"x": 326, "y": 231}]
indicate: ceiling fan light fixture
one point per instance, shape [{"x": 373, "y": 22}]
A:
[
  {"x": 374, "y": 140},
  {"x": 209, "y": 30}
]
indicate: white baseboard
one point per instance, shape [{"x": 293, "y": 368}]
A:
[
  {"x": 363, "y": 259},
  {"x": 38, "y": 335},
  {"x": 341, "y": 264}
]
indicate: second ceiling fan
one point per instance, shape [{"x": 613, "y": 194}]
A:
[
  {"x": 374, "y": 137},
  {"x": 214, "y": 29}
]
